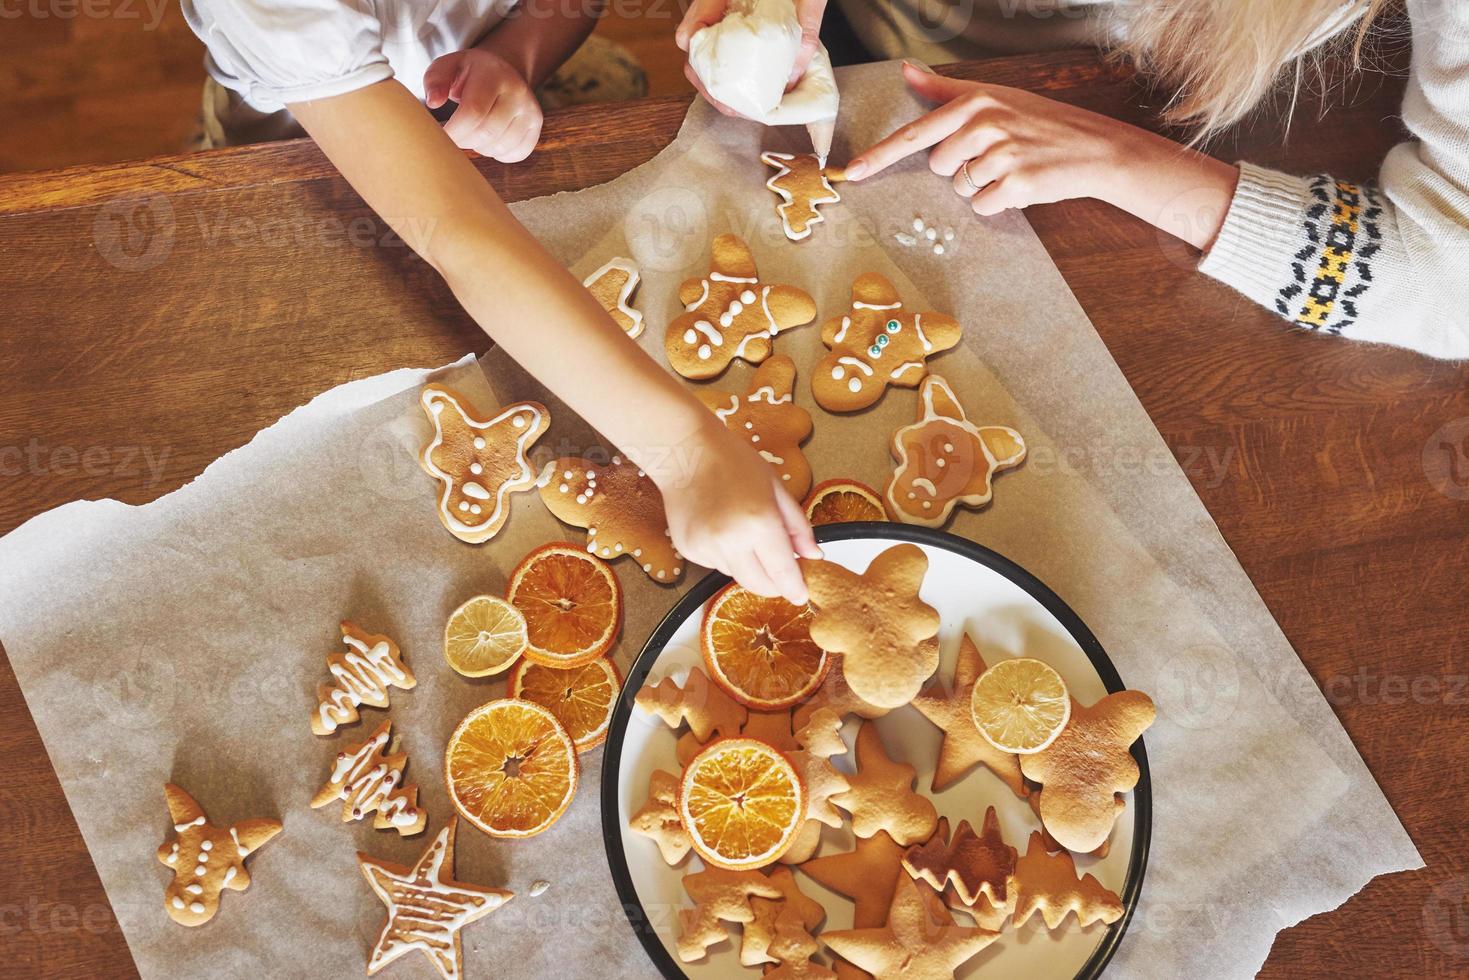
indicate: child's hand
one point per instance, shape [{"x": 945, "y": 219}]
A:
[
  {"x": 498, "y": 115},
  {"x": 727, "y": 511}
]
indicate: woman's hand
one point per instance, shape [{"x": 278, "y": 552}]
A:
[
  {"x": 727, "y": 511},
  {"x": 1006, "y": 148},
  {"x": 702, "y": 13},
  {"x": 498, "y": 115}
]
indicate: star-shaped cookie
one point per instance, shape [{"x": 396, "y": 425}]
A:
[
  {"x": 768, "y": 417},
  {"x": 427, "y": 908},
  {"x": 731, "y": 313},
  {"x": 868, "y": 875},
  {"x": 880, "y": 794},
  {"x": 1088, "y": 764},
  {"x": 612, "y": 286},
  {"x": 963, "y": 747},
  {"x": 800, "y": 180},
  {"x": 478, "y": 462},
  {"x": 876, "y": 344},
  {"x": 919, "y": 941},
  {"x": 206, "y": 859},
  {"x": 944, "y": 460},
  {"x": 875, "y": 620},
  {"x": 1047, "y": 883},
  {"x": 620, "y": 507}
]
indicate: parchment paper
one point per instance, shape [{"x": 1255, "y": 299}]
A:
[{"x": 183, "y": 640}]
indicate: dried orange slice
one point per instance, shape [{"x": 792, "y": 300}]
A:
[
  {"x": 484, "y": 636},
  {"x": 581, "y": 698},
  {"x": 760, "y": 650},
  {"x": 511, "y": 768},
  {"x": 571, "y": 602},
  {"x": 742, "y": 803},
  {"x": 843, "y": 501},
  {"x": 1020, "y": 705}
]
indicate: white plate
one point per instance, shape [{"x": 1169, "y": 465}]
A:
[{"x": 1008, "y": 613}]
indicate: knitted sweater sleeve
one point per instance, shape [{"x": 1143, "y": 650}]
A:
[{"x": 1385, "y": 262}]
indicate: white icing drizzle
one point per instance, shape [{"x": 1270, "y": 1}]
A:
[
  {"x": 863, "y": 366},
  {"x": 771, "y": 458},
  {"x": 368, "y": 782},
  {"x": 779, "y": 161},
  {"x": 531, "y": 425},
  {"x": 721, "y": 277},
  {"x": 708, "y": 330},
  {"x": 923, "y": 483},
  {"x": 905, "y": 367},
  {"x": 626, "y": 267},
  {"x": 196, "y": 822},
  {"x": 691, "y": 307},
  {"x": 765, "y": 393},
  {"x": 723, "y": 414},
  {"x": 918, "y": 326},
  {"x": 841, "y": 333},
  {"x": 361, "y": 675},
  {"x": 859, "y": 305}
]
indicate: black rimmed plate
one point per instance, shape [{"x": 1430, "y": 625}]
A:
[{"x": 1009, "y": 613}]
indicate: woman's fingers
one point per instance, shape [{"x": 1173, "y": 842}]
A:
[
  {"x": 698, "y": 84},
  {"x": 701, "y": 13},
  {"x": 977, "y": 174},
  {"x": 920, "y": 134},
  {"x": 1003, "y": 194},
  {"x": 975, "y": 138}
]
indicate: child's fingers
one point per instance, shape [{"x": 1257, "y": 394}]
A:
[
  {"x": 747, "y": 570},
  {"x": 520, "y": 138},
  {"x": 439, "y": 79},
  {"x": 772, "y": 547},
  {"x": 798, "y": 528}
]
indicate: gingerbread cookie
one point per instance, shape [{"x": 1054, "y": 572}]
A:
[
  {"x": 816, "y": 744},
  {"x": 612, "y": 286},
  {"x": 976, "y": 865},
  {"x": 919, "y": 941},
  {"x": 620, "y": 507},
  {"x": 875, "y": 345},
  {"x": 707, "y": 709},
  {"x": 1047, "y": 884},
  {"x": 478, "y": 462},
  {"x": 868, "y": 875},
  {"x": 427, "y": 908},
  {"x": 1088, "y": 764},
  {"x": 719, "y": 896},
  {"x": 206, "y": 859},
  {"x": 800, "y": 180},
  {"x": 884, "y": 632},
  {"x": 835, "y": 693},
  {"x": 880, "y": 795},
  {"x": 730, "y": 313},
  {"x": 368, "y": 780},
  {"x": 944, "y": 459},
  {"x": 963, "y": 746},
  {"x": 659, "y": 820},
  {"x": 1034, "y": 799},
  {"x": 768, "y": 417},
  {"x": 765, "y": 934},
  {"x": 361, "y": 675}
]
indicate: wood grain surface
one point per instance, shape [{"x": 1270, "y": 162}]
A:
[{"x": 157, "y": 315}]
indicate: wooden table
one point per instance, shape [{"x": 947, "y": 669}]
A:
[{"x": 157, "y": 315}]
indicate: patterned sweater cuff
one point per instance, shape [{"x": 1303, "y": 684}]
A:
[{"x": 1301, "y": 246}]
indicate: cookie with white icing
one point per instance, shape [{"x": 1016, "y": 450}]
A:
[
  {"x": 612, "y": 286},
  {"x": 478, "y": 462},
  {"x": 731, "y": 313},
  {"x": 206, "y": 859},
  {"x": 877, "y": 343},
  {"x": 366, "y": 778},
  {"x": 944, "y": 460},
  {"x": 621, "y": 508},
  {"x": 360, "y": 674},
  {"x": 768, "y": 417},
  {"x": 801, "y": 182}
]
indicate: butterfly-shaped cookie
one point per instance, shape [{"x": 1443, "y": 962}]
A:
[
  {"x": 620, "y": 507},
  {"x": 800, "y": 180},
  {"x": 731, "y": 313},
  {"x": 769, "y": 418},
  {"x": 478, "y": 462},
  {"x": 943, "y": 459},
  {"x": 876, "y": 344},
  {"x": 612, "y": 286}
]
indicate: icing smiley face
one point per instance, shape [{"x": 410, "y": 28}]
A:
[
  {"x": 945, "y": 460},
  {"x": 767, "y": 417},
  {"x": 478, "y": 462},
  {"x": 877, "y": 344},
  {"x": 730, "y": 313},
  {"x": 620, "y": 507}
]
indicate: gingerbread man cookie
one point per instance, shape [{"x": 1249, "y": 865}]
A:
[
  {"x": 719, "y": 896},
  {"x": 659, "y": 819},
  {"x": 366, "y": 779},
  {"x": 1082, "y": 772},
  {"x": 361, "y": 675},
  {"x": 612, "y": 286},
  {"x": 884, "y": 632},
  {"x": 877, "y": 344},
  {"x": 944, "y": 459},
  {"x": 206, "y": 859},
  {"x": 800, "y": 180},
  {"x": 730, "y": 313},
  {"x": 620, "y": 507},
  {"x": 880, "y": 795},
  {"x": 427, "y": 908},
  {"x": 478, "y": 462},
  {"x": 769, "y": 418}
]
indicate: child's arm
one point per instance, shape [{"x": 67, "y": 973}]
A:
[{"x": 724, "y": 509}]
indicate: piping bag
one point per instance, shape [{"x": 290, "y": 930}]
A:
[{"x": 746, "y": 59}]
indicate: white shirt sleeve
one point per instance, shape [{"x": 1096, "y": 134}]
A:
[{"x": 276, "y": 53}]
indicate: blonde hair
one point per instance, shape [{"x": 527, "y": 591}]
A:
[{"x": 1223, "y": 58}]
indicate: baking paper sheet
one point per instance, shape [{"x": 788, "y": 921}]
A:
[{"x": 183, "y": 640}]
